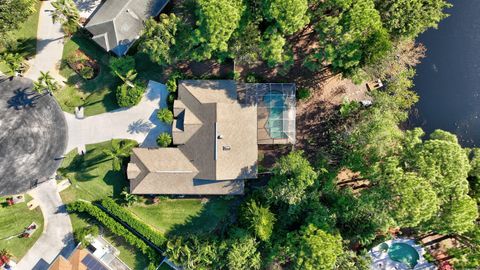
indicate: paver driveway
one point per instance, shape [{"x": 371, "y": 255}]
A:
[{"x": 138, "y": 123}]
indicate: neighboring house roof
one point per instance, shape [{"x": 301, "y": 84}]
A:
[
  {"x": 76, "y": 261},
  {"x": 116, "y": 24},
  {"x": 216, "y": 140}
]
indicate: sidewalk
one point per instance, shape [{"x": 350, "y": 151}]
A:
[{"x": 49, "y": 43}]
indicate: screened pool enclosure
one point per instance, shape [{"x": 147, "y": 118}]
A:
[{"x": 276, "y": 110}]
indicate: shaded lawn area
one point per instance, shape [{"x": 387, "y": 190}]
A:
[
  {"x": 181, "y": 216},
  {"x": 128, "y": 254},
  {"x": 98, "y": 94},
  {"x": 13, "y": 220},
  {"x": 26, "y": 36},
  {"x": 92, "y": 175},
  {"x": 165, "y": 266}
]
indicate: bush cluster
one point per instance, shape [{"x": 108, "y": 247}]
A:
[
  {"x": 81, "y": 64},
  {"x": 172, "y": 82},
  {"x": 128, "y": 96},
  {"x": 165, "y": 115},
  {"x": 303, "y": 94},
  {"x": 122, "y": 65},
  {"x": 164, "y": 139},
  {"x": 142, "y": 228},
  {"x": 115, "y": 227}
]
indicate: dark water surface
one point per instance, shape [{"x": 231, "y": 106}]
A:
[{"x": 448, "y": 79}]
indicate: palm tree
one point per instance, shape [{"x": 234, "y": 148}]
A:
[
  {"x": 14, "y": 62},
  {"x": 117, "y": 152},
  {"x": 67, "y": 14},
  {"x": 45, "y": 83},
  {"x": 129, "y": 77}
]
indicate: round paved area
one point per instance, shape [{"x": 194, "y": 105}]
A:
[{"x": 33, "y": 136}]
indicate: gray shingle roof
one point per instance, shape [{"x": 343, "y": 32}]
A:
[
  {"x": 118, "y": 23},
  {"x": 216, "y": 139}
]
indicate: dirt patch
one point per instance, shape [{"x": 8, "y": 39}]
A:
[{"x": 318, "y": 116}]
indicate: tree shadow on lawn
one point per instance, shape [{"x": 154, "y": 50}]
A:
[
  {"x": 27, "y": 47},
  {"x": 81, "y": 168},
  {"x": 116, "y": 179},
  {"x": 215, "y": 217}
]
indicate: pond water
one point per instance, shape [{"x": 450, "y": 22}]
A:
[{"x": 448, "y": 79}]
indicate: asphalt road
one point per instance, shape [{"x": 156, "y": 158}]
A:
[{"x": 33, "y": 135}]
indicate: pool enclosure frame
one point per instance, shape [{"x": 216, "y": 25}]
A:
[{"x": 267, "y": 131}]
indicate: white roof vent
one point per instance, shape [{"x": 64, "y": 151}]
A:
[{"x": 226, "y": 147}]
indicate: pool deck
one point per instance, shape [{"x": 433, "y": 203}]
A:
[{"x": 381, "y": 260}]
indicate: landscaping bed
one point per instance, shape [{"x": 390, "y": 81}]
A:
[
  {"x": 13, "y": 220},
  {"x": 96, "y": 95},
  {"x": 84, "y": 66}
]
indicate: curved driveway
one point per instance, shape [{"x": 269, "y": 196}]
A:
[{"x": 137, "y": 123}]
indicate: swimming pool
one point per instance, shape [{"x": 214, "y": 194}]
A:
[
  {"x": 275, "y": 102},
  {"x": 404, "y": 253}
]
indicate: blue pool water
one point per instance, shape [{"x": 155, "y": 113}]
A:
[
  {"x": 276, "y": 105},
  {"x": 403, "y": 253}
]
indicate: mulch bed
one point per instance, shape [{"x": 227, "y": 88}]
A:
[{"x": 78, "y": 60}]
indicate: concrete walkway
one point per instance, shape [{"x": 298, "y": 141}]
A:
[
  {"x": 49, "y": 43},
  {"x": 137, "y": 123},
  {"x": 57, "y": 237}
]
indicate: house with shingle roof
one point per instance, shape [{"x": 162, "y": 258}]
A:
[
  {"x": 216, "y": 135},
  {"x": 117, "y": 24}
]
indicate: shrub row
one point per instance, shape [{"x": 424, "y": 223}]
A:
[
  {"x": 115, "y": 227},
  {"x": 124, "y": 215}
]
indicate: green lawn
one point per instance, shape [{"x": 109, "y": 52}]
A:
[
  {"x": 165, "y": 266},
  {"x": 92, "y": 175},
  {"x": 13, "y": 219},
  {"x": 26, "y": 36},
  {"x": 184, "y": 215},
  {"x": 97, "y": 95},
  {"x": 128, "y": 254}
]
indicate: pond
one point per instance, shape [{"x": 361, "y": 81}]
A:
[{"x": 448, "y": 79}]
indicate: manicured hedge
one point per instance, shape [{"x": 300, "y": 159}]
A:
[
  {"x": 115, "y": 227},
  {"x": 124, "y": 215}
]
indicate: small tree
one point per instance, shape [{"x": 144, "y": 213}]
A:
[
  {"x": 118, "y": 151},
  {"x": 13, "y": 61},
  {"x": 159, "y": 38},
  {"x": 128, "y": 198},
  {"x": 259, "y": 219},
  {"x": 122, "y": 65},
  {"x": 165, "y": 115},
  {"x": 67, "y": 14},
  {"x": 45, "y": 83},
  {"x": 81, "y": 235},
  {"x": 292, "y": 175},
  {"x": 164, "y": 139},
  {"x": 129, "y": 95}
]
